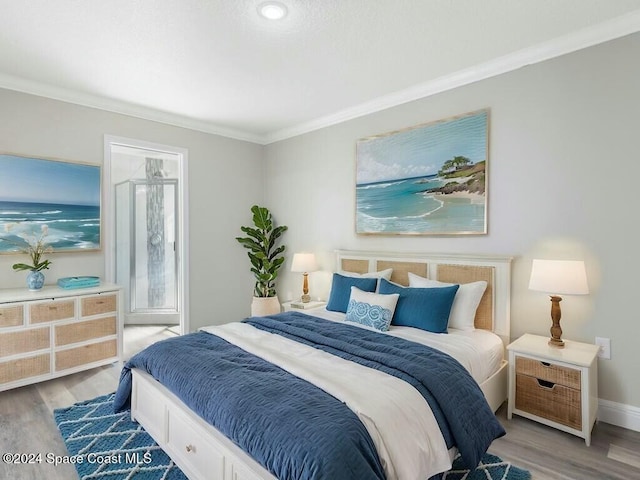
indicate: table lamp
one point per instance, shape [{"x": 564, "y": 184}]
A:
[
  {"x": 558, "y": 277},
  {"x": 304, "y": 263}
]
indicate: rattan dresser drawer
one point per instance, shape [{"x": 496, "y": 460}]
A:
[
  {"x": 549, "y": 372},
  {"x": 11, "y": 316},
  {"x": 83, "y": 331},
  {"x": 51, "y": 311},
  {"x": 85, "y": 354},
  {"x": 98, "y": 305},
  {"x": 548, "y": 400},
  {"x": 24, "y": 368},
  {"x": 24, "y": 341}
]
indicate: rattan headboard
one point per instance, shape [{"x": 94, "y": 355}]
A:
[{"x": 494, "y": 310}]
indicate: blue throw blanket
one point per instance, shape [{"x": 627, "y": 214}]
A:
[
  {"x": 294, "y": 429},
  {"x": 462, "y": 412}
]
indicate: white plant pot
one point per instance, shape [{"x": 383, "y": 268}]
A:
[{"x": 261, "y": 306}]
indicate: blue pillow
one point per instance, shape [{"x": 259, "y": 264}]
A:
[
  {"x": 341, "y": 290},
  {"x": 424, "y": 308}
]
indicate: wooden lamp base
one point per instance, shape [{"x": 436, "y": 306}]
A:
[
  {"x": 556, "y": 332},
  {"x": 305, "y": 298}
]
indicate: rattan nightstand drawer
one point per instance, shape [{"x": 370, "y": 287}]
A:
[
  {"x": 569, "y": 377},
  {"x": 51, "y": 311},
  {"x": 11, "y": 316},
  {"x": 98, "y": 305},
  {"x": 549, "y": 400}
]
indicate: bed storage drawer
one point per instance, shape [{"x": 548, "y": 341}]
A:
[
  {"x": 569, "y": 377},
  {"x": 549, "y": 400},
  {"x": 187, "y": 440},
  {"x": 11, "y": 316}
]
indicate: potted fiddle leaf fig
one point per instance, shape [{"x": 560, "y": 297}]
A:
[{"x": 266, "y": 259}]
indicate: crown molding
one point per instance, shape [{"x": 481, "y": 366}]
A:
[
  {"x": 41, "y": 89},
  {"x": 587, "y": 37}
]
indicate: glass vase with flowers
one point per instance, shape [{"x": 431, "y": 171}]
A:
[{"x": 36, "y": 247}]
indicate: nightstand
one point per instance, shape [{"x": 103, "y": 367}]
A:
[
  {"x": 554, "y": 386},
  {"x": 288, "y": 306}
]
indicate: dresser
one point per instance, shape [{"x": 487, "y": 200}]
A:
[
  {"x": 54, "y": 332},
  {"x": 554, "y": 386}
]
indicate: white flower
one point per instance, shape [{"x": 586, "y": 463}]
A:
[{"x": 34, "y": 246}]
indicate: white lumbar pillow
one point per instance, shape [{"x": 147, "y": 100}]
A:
[
  {"x": 465, "y": 303},
  {"x": 386, "y": 274}
]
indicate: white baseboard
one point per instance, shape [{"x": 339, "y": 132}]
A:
[{"x": 619, "y": 414}]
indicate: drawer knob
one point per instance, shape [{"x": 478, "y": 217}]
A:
[
  {"x": 545, "y": 364},
  {"x": 190, "y": 448}
]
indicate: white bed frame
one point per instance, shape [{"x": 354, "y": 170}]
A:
[{"x": 201, "y": 451}]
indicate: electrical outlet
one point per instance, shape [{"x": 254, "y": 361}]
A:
[{"x": 605, "y": 347}]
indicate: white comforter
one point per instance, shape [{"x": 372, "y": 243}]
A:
[
  {"x": 480, "y": 352},
  {"x": 398, "y": 419}
]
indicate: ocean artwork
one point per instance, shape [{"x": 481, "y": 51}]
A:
[
  {"x": 61, "y": 198},
  {"x": 425, "y": 180}
]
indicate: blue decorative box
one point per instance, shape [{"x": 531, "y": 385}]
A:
[{"x": 78, "y": 282}]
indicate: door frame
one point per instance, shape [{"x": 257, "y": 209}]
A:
[{"x": 183, "y": 219}]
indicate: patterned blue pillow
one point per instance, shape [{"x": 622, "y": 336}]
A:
[
  {"x": 424, "y": 308},
  {"x": 341, "y": 290},
  {"x": 371, "y": 309}
]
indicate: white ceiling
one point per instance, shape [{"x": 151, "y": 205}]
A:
[{"x": 217, "y": 66}]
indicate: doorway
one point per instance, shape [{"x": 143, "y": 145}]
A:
[{"x": 146, "y": 223}]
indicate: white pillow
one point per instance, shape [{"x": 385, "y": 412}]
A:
[
  {"x": 371, "y": 309},
  {"x": 465, "y": 303},
  {"x": 386, "y": 274}
]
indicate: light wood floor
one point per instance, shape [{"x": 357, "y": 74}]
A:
[{"x": 27, "y": 426}]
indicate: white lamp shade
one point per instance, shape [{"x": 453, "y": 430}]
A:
[
  {"x": 304, "y": 263},
  {"x": 562, "y": 277}
]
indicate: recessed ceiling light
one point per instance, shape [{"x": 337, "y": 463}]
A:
[{"x": 272, "y": 10}]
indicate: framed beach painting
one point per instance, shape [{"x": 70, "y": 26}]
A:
[
  {"x": 59, "y": 197},
  {"x": 425, "y": 180}
]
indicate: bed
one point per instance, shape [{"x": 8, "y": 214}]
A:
[{"x": 202, "y": 451}]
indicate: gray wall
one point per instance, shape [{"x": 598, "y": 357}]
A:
[
  {"x": 563, "y": 168},
  {"x": 225, "y": 179}
]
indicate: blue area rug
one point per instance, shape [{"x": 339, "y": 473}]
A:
[
  {"x": 490, "y": 468},
  {"x": 109, "y": 445}
]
